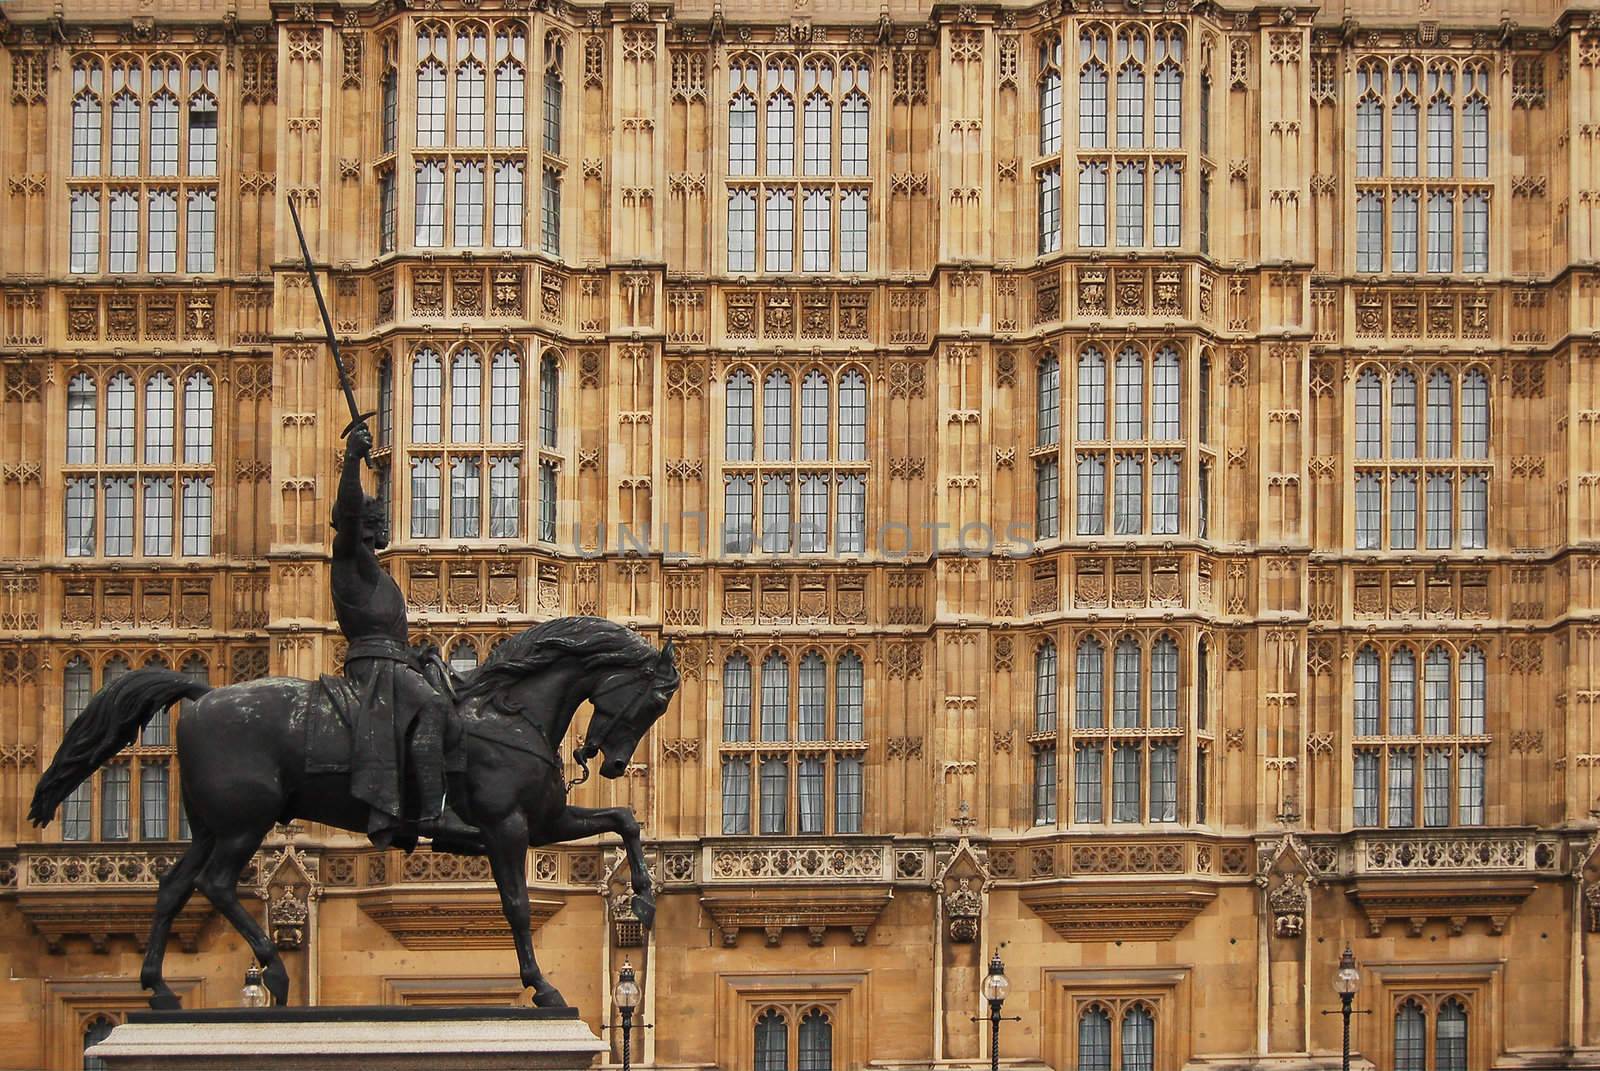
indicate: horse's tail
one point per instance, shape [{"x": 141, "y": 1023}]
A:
[{"x": 108, "y": 724}]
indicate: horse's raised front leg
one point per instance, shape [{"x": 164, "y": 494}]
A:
[
  {"x": 177, "y": 885},
  {"x": 507, "y": 843},
  {"x": 575, "y": 823}
]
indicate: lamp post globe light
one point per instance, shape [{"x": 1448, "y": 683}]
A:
[
  {"x": 996, "y": 987},
  {"x": 626, "y": 996},
  {"x": 1345, "y": 983}
]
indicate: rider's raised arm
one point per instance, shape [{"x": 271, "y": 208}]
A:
[{"x": 347, "y": 507}]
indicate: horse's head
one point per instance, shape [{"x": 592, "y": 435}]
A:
[{"x": 627, "y": 701}]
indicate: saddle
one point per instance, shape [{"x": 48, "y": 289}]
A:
[{"x": 330, "y": 726}]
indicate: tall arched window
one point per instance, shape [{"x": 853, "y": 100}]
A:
[
  {"x": 775, "y": 697},
  {"x": 742, "y": 75},
  {"x": 1475, "y": 124},
  {"x": 549, "y": 400},
  {"x": 1169, "y": 88},
  {"x": 1093, "y": 56},
  {"x": 1366, "y": 692},
  {"x": 1050, "y": 95},
  {"x": 1369, "y": 120},
  {"x": 1132, "y": 50},
  {"x": 1403, "y": 124},
  {"x": 553, "y": 93},
  {"x": 1089, "y": 696},
  {"x": 95, "y": 1031},
  {"x": 1130, "y": 394},
  {"x": 81, "y": 419},
  {"x": 1436, "y": 691},
  {"x": 432, "y": 46},
  {"x": 204, "y": 85},
  {"x": 853, "y": 417},
  {"x": 1044, "y": 688},
  {"x": 427, "y": 386},
  {"x": 510, "y": 92},
  {"x": 1472, "y": 693},
  {"x": 1441, "y": 414},
  {"x": 385, "y": 403},
  {"x": 505, "y": 397},
  {"x": 1410, "y": 1037},
  {"x": 816, "y": 1041},
  {"x": 1164, "y": 684},
  {"x": 471, "y": 80},
  {"x": 1403, "y": 415},
  {"x": 848, "y": 696},
  {"x": 739, "y": 417},
  {"x": 855, "y": 117},
  {"x": 1127, "y": 706},
  {"x": 197, "y": 418},
  {"x": 1369, "y": 415},
  {"x": 159, "y": 407},
  {"x": 780, "y": 89},
  {"x": 813, "y": 697},
  {"x": 164, "y": 124},
  {"x": 1094, "y": 1039},
  {"x": 776, "y": 417},
  {"x": 86, "y": 117},
  {"x": 772, "y": 1042},
  {"x": 818, "y": 117},
  {"x": 1441, "y": 120},
  {"x": 1450, "y": 1037},
  {"x": 1091, "y": 394},
  {"x": 814, "y": 413},
  {"x": 1402, "y": 692},
  {"x": 736, "y": 699},
  {"x": 1138, "y": 1040},
  {"x": 1164, "y": 395},
  {"x": 1474, "y": 415},
  {"x": 127, "y": 84},
  {"x": 1049, "y": 401},
  {"x": 466, "y": 398}
]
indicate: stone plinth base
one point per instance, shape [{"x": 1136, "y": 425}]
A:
[{"x": 352, "y": 1039}]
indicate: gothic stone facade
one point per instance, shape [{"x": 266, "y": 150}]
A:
[{"x": 1123, "y": 487}]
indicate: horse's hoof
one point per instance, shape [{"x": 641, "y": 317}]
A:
[
  {"x": 276, "y": 979},
  {"x": 166, "y": 1001},
  {"x": 644, "y": 909},
  {"x": 548, "y": 997}
]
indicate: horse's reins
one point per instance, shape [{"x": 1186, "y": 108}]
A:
[{"x": 594, "y": 700}]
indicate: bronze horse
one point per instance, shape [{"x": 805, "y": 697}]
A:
[{"x": 243, "y": 753}]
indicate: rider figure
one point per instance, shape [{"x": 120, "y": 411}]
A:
[{"x": 400, "y": 714}]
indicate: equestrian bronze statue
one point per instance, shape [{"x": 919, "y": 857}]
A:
[{"x": 260, "y": 753}]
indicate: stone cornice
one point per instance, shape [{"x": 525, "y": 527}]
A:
[
  {"x": 813, "y": 909},
  {"x": 1119, "y": 911},
  {"x": 1454, "y": 901}
]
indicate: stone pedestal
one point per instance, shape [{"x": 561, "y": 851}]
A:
[{"x": 352, "y": 1039}]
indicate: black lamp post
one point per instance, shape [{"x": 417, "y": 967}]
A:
[
  {"x": 1345, "y": 983},
  {"x": 996, "y": 987},
  {"x": 627, "y": 997}
]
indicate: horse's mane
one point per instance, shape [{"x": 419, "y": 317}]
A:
[{"x": 591, "y": 640}]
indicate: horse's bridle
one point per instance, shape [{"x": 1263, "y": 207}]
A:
[{"x": 594, "y": 700}]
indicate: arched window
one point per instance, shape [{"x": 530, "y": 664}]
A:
[
  {"x": 1403, "y": 135},
  {"x": 463, "y": 657},
  {"x": 466, "y": 398},
  {"x": 780, "y": 116},
  {"x": 1369, "y": 120},
  {"x": 125, "y": 122},
  {"x": 772, "y": 1042},
  {"x": 816, "y": 1041},
  {"x": 159, "y": 407},
  {"x": 1169, "y": 90},
  {"x": 95, "y": 1031},
  {"x": 775, "y": 697},
  {"x": 739, "y": 410},
  {"x": 1369, "y": 415},
  {"x": 1441, "y": 121},
  {"x": 1202, "y": 685},
  {"x": 1091, "y": 395},
  {"x": 505, "y": 397},
  {"x": 1475, "y": 125},
  {"x": 197, "y": 418},
  {"x": 853, "y": 417},
  {"x": 1470, "y": 714},
  {"x": 1436, "y": 691},
  {"x": 775, "y": 512},
  {"x": 1089, "y": 695},
  {"x": 1130, "y": 394},
  {"x": 1094, "y": 1039},
  {"x": 1450, "y": 1037},
  {"x": 1044, "y": 688},
  {"x": 385, "y": 403},
  {"x": 814, "y": 412},
  {"x": 204, "y": 85},
  {"x": 848, "y": 689},
  {"x": 1127, "y": 707},
  {"x": 1403, "y": 415},
  {"x": 855, "y": 116},
  {"x": 1402, "y": 692},
  {"x": 1138, "y": 1040},
  {"x": 549, "y": 395},
  {"x": 431, "y": 52},
  {"x": 1474, "y": 415},
  {"x": 818, "y": 118},
  {"x": 742, "y": 117},
  {"x": 553, "y": 93},
  {"x": 1093, "y": 56},
  {"x": 813, "y": 697},
  {"x": 777, "y": 418},
  {"x": 1049, "y": 401},
  {"x": 1164, "y": 684},
  {"x": 471, "y": 55},
  {"x": 510, "y": 91},
  {"x": 163, "y": 132},
  {"x": 1050, "y": 96},
  {"x": 1366, "y": 692},
  {"x": 1410, "y": 1037},
  {"x": 1131, "y": 54},
  {"x": 86, "y": 119},
  {"x": 736, "y": 699},
  {"x": 779, "y": 230},
  {"x": 427, "y": 385},
  {"x": 1441, "y": 414},
  {"x": 1164, "y": 395},
  {"x": 77, "y": 682},
  {"x": 81, "y": 406}
]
